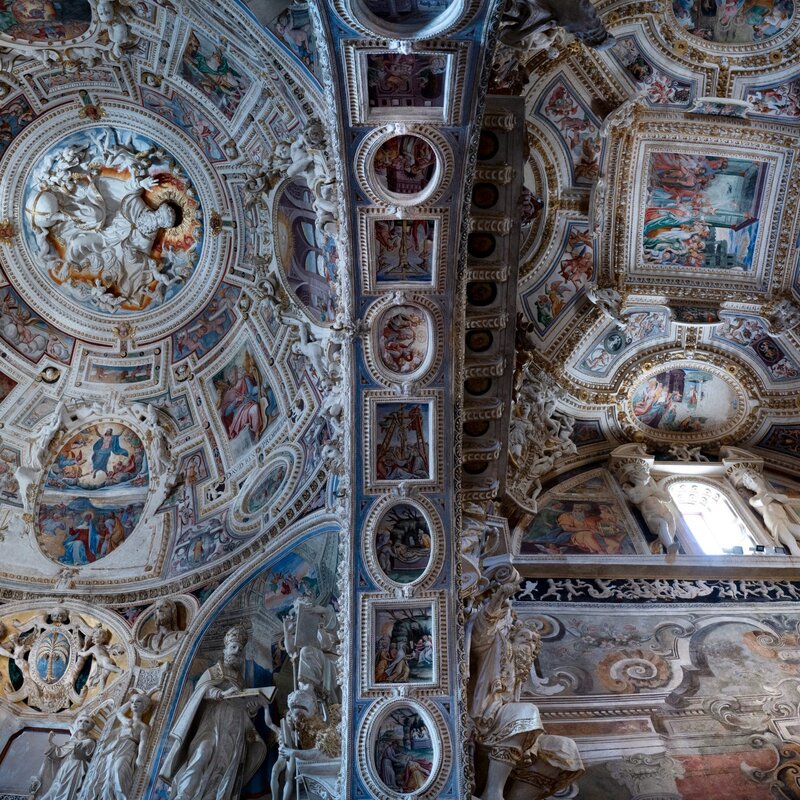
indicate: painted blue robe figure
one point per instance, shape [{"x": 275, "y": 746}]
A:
[{"x": 102, "y": 450}]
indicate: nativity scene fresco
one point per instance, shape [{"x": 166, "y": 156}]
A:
[
  {"x": 702, "y": 212},
  {"x": 93, "y": 495}
]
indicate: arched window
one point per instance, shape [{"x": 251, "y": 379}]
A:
[{"x": 711, "y": 519}]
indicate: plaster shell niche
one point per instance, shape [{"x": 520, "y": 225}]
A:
[
  {"x": 404, "y": 165},
  {"x": 133, "y": 188},
  {"x": 686, "y": 401}
]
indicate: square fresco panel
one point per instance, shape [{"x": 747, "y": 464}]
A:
[
  {"x": 702, "y": 211},
  {"x": 404, "y": 647},
  {"x": 400, "y": 80},
  {"x": 402, "y": 441},
  {"x": 208, "y": 67},
  {"x": 404, "y": 250}
]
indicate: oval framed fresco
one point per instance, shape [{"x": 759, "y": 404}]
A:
[
  {"x": 404, "y": 749},
  {"x": 399, "y": 20},
  {"x": 43, "y": 23},
  {"x": 93, "y": 494},
  {"x": 686, "y": 401},
  {"x": 266, "y": 489},
  {"x": 404, "y": 165},
  {"x": 734, "y": 22},
  {"x": 406, "y": 338},
  {"x": 402, "y": 542}
]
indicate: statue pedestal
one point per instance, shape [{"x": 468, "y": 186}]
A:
[{"x": 318, "y": 780}]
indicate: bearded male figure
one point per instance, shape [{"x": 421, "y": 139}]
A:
[{"x": 215, "y": 748}]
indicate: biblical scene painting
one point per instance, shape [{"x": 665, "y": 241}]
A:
[
  {"x": 403, "y": 644},
  {"x": 198, "y": 543},
  {"x": 576, "y": 127},
  {"x": 579, "y": 526},
  {"x": 402, "y": 436},
  {"x": 308, "y": 257},
  {"x": 662, "y": 89},
  {"x": 208, "y": 67},
  {"x": 734, "y": 21},
  {"x": 702, "y": 211},
  {"x": 28, "y": 334},
  {"x": 93, "y": 495},
  {"x": 605, "y": 351},
  {"x": 696, "y": 315},
  {"x": 782, "y": 100},
  {"x": 404, "y": 164},
  {"x": 119, "y": 373},
  {"x": 209, "y": 327},
  {"x": 14, "y": 116},
  {"x": 570, "y": 275},
  {"x": 244, "y": 400},
  {"x": 404, "y": 249},
  {"x": 404, "y": 755},
  {"x": 292, "y": 26},
  {"x": 403, "y": 543},
  {"x": 112, "y": 221},
  {"x": 685, "y": 400},
  {"x": 406, "y": 80},
  {"x": 404, "y": 339},
  {"x": 44, "y": 20},
  {"x": 295, "y": 577},
  {"x": 266, "y": 488}
]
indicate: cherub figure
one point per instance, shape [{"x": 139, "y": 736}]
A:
[{"x": 103, "y": 664}]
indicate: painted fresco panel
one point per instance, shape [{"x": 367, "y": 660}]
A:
[
  {"x": 405, "y": 80},
  {"x": 29, "y": 335},
  {"x": 661, "y": 88},
  {"x": 7, "y": 385},
  {"x": 404, "y": 164},
  {"x": 45, "y": 20},
  {"x": 120, "y": 373},
  {"x": 415, "y": 13},
  {"x": 782, "y": 100},
  {"x": 750, "y": 333},
  {"x": 210, "y": 68},
  {"x": 403, "y": 750},
  {"x": 245, "y": 401},
  {"x": 567, "y": 279},
  {"x": 404, "y": 645},
  {"x": 14, "y": 116},
  {"x": 402, "y": 441},
  {"x": 209, "y": 327},
  {"x": 266, "y": 488},
  {"x": 577, "y": 128},
  {"x": 685, "y": 400},
  {"x": 702, "y": 212},
  {"x": 734, "y": 21},
  {"x": 403, "y": 543},
  {"x": 404, "y": 339},
  {"x": 404, "y": 250},
  {"x": 609, "y": 348}
]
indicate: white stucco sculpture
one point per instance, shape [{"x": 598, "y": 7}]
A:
[
  {"x": 214, "y": 746},
  {"x": 65, "y": 764},
  {"x": 770, "y": 504}
]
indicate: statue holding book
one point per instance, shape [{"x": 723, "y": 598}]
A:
[{"x": 214, "y": 746}]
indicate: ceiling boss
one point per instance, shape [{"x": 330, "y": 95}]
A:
[{"x": 112, "y": 220}]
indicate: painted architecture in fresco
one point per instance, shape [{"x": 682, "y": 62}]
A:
[{"x": 702, "y": 211}]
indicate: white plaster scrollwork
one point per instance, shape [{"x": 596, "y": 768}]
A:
[
  {"x": 157, "y": 438},
  {"x": 631, "y": 464},
  {"x": 539, "y": 433},
  {"x": 684, "y": 453},
  {"x": 530, "y": 24},
  {"x": 609, "y": 303},
  {"x": 782, "y": 316}
]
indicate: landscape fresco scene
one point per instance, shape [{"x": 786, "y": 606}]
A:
[{"x": 702, "y": 211}]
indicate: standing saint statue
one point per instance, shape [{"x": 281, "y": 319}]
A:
[{"x": 214, "y": 746}]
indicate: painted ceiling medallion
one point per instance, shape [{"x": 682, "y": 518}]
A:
[
  {"x": 112, "y": 220},
  {"x": 686, "y": 400},
  {"x": 93, "y": 495},
  {"x": 734, "y": 21},
  {"x": 38, "y": 21}
]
